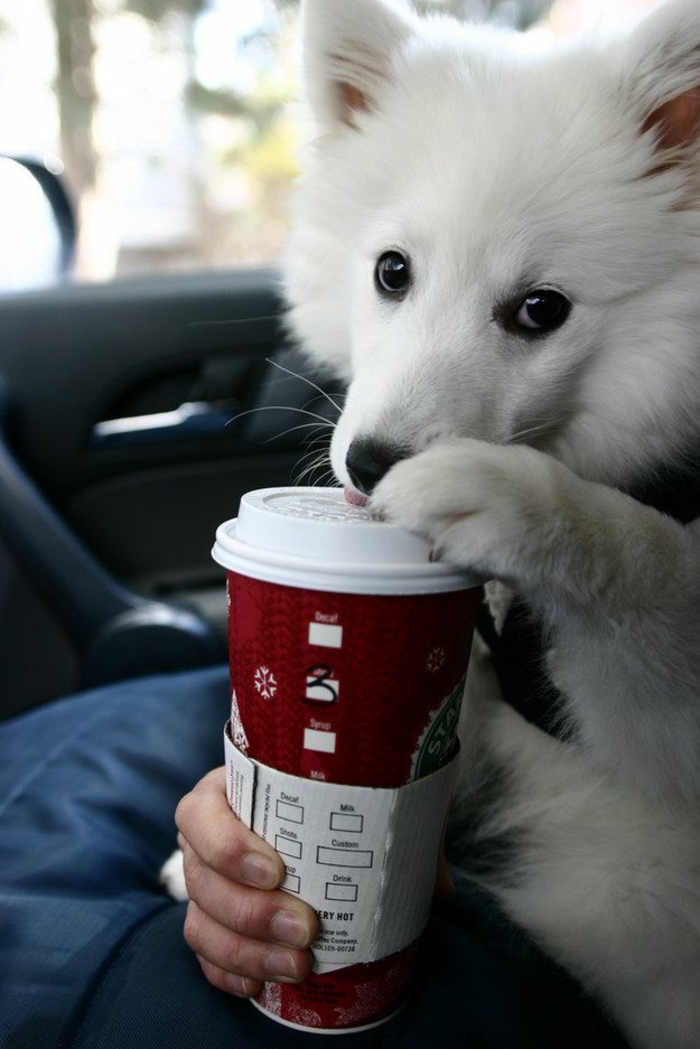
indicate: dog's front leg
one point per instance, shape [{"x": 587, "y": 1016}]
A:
[
  {"x": 511, "y": 512},
  {"x": 613, "y": 579}
]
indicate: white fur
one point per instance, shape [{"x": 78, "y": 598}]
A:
[
  {"x": 497, "y": 170},
  {"x": 172, "y": 876}
]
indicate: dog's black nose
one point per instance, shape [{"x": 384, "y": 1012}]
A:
[{"x": 367, "y": 461}]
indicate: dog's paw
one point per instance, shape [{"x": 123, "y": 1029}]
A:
[
  {"x": 485, "y": 507},
  {"x": 172, "y": 876}
]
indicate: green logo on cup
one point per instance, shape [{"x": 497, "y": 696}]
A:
[{"x": 437, "y": 743}]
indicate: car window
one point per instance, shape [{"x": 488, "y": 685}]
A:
[{"x": 170, "y": 120}]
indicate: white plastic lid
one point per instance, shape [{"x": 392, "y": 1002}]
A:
[{"x": 313, "y": 538}]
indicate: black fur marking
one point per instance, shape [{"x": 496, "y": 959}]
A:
[
  {"x": 487, "y": 856},
  {"x": 518, "y": 654},
  {"x": 674, "y": 486}
]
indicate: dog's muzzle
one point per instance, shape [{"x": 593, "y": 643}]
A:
[{"x": 368, "y": 460}]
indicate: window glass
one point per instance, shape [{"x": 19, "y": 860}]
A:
[{"x": 170, "y": 120}]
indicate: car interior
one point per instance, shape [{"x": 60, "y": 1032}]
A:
[
  {"x": 134, "y": 416},
  {"x": 141, "y": 397}
]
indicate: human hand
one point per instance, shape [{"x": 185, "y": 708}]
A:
[{"x": 241, "y": 926}]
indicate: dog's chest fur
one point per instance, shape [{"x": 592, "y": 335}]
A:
[
  {"x": 517, "y": 638},
  {"x": 530, "y": 394}
]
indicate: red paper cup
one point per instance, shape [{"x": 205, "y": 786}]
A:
[{"x": 348, "y": 653}]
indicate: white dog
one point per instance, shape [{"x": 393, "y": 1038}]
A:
[{"x": 500, "y": 250}]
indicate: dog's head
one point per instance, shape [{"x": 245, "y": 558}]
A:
[{"x": 502, "y": 243}]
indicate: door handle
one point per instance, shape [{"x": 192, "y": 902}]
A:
[{"x": 192, "y": 420}]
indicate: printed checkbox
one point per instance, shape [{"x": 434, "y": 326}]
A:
[
  {"x": 291, "y": 813},
  {"x": 325, "y": 690},
  {"x": 288, "y": 847},
  {"x": 346, "y": 893},
  {"x": 323, "y": 742},
  {"x": 350, "y": 822},
  {"x": 344, "y": 857},
  {"x": 292, "y": 883},
  {"x": 325, "y": 635}
]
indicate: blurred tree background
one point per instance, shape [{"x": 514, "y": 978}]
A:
[
  {"x": 171, "y": 119},
  {"x": 519, "y": 14}
]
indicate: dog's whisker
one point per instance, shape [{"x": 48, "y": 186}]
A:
[
  {"x": 315, "y": 443},
  {"x": 323, "y": 434},
  {"x": 309, "y": 458},
  {"x": 280, "y": 408},
  {"x": 313, "y": 277},
  {"x": 303, "y": 378},
  {"x": 531, "y": 431},
  {"x": 291, "y": 429},
  {"x": 326, "y": 478},
  {"x": 311, "y": 439},
  {"x": 319, "y": 480},
  {"x": 303, "y": 470},
  {"x": 233, "y": 321},
  {"x": 316, "y": 464},
  {"x": 314, "y": 449}
]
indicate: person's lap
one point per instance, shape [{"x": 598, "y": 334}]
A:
[{"x": 91, "y": 948}]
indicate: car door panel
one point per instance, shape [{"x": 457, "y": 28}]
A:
[{"x": 142, "y": 410}]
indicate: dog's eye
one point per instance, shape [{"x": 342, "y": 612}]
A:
[
  {"x": 542, "y": 311},
  {"x": 392, "y": 274}
]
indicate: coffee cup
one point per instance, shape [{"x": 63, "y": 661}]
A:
[{"x": 348, "y": 654}]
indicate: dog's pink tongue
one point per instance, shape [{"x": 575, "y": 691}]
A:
[{"x": 355, "y": 497}]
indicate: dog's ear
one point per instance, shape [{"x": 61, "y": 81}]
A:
[
  {"x": 348, "y": 45},
  {"x": 664, "y": 76}
]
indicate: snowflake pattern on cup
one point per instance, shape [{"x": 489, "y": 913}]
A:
[
  {"x": 265, "y": 682},
  {"x": 238, "y": 735},
  {"x": 436, "y": 659}
]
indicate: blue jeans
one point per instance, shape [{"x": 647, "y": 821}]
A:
[{"x": 91, "y": 948}]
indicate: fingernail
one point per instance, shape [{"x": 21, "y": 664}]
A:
[
  {"x": 239, "y": 985},
  {"x": 288, "y": 927},
  {"x": 259, "y": 871},
  {"x": 282, "y": 965}
]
